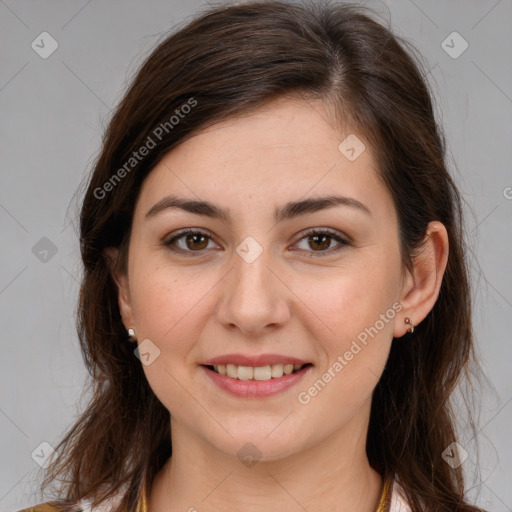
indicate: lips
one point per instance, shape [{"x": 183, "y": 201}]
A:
[
  {"x": 254, "y": 388},
  {"x": 261, "y": 367},
  {"x": 274, "y": 371},
  {"x": 254, "y": 361},
  {"x": 255, "y": 376}
]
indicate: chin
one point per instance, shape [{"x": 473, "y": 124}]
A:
[{"x": 267, "y": 441}]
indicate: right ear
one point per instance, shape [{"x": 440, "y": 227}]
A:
[{"x": 111, "y": 255}]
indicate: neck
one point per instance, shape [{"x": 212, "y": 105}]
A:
[{"x": 332, "y": 475}]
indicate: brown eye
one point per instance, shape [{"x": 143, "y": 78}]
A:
[
  {"x": 319, "y": 242},
  {"x": 189, "y": 241},
  {"x": 196, "y": 241}
]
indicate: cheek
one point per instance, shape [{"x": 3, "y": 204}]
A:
[
  {"x": 354, "y": 347},
  {"x": 354, "y": 325},
  {"x": 171, "y": 306},
  {"x": 348, "y": 301}
]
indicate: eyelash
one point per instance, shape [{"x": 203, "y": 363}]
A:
[{"x": 312, "y": 232}]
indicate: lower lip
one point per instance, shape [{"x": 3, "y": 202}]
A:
[{"x": 256, "y": 388}]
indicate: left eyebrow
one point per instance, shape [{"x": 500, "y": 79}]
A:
[
  {"x": 297, "y": 208},
  {"x": 289, "y": 211}
]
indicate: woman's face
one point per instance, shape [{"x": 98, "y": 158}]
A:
[{"x": 256, "y": 286}]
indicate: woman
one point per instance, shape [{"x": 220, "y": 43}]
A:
[{"x": 275, "y": 303}]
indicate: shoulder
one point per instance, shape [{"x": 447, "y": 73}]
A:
[
  {"x": 43, "y": 507},
  {"x": 84, "y": 505},
  {"x": 398, "y": 502}
]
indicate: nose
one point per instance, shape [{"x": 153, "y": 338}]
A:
[{"x": 254, "y": 297}]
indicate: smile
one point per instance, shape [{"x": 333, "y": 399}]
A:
[
  {"x": 274, "y": 371},
  {"x": 256, "y": 381}
]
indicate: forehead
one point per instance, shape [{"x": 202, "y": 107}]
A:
[
  {"x": 288, "y": 149},
  {"x": 284, "y": 127}
]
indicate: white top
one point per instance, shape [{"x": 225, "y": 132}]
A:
[{"x": 398, "y": 503}]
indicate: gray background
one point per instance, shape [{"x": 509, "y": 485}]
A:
[{"x": 53, "y": 113}]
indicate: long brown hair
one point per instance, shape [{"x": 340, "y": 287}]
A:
[{"x": 227, "y": 62}]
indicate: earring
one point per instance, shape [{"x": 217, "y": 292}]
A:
[
  {"x": 131, "y": 334},
  {"x": 408, "y": 321}
]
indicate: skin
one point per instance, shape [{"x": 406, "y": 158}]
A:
[{"x": 213, "y": 302}]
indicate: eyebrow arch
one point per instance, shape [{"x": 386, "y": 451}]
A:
[{"x": 289, "y": 211}]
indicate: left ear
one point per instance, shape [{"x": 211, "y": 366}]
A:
[{"x": 421, "y": 287}]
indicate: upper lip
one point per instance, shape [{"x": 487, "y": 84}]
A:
[{"x": 260, "y": 360}]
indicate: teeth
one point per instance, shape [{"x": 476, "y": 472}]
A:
[
  {"x": 277, "y": 370},
  {"x": 287, "y": 369},
  {"x": 268, "y": 372},
  {"x": 231, "y": 371},
  {"x": 262, "y": 373},
  {"x": 245, "y": 372}
]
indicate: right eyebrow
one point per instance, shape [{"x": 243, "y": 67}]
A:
[{"x": 289, "y": 211}]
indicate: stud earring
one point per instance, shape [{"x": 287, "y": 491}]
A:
[
  {"x": 131, "y": 334},
  {"x": 408, "y": 321}
]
